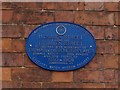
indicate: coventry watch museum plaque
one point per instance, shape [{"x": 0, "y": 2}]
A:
[{"x": 60, "y": 46}]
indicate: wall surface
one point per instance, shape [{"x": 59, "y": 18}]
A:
[{"x": 19, "y": 19}]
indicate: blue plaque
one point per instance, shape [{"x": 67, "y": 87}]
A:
[{"x": 60, "y": 46}]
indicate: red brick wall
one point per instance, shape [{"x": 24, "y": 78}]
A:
[{"x": 19, "y": 19}]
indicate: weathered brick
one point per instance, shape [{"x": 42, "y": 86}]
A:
[
  {"x": 94, "y": 6},
  {"x": 0, "y": 74},
  {"x": 62, "y": 76},
  {"x": 0, "y": 45},
  {"x": 93, "y": 85},
  {"x": 111, "y": 6},
  {"x": 1, "y": 15},
  {"x": 11, "y": 84},
  {"x": 28, "y": 62},
  {"x": 94, "y": 18},
  {"x": 111, "y": 33},
  {"x": 32, "y": 5},
  {"x": 80, "y": 6},
  {"x": 31, "y": 85},
  {"x": 118, "y": 47},
  {"x": 7, "y": 16},
  {"x": 61, "y": 85},
  {"x": 73, "y": 85},
  {"x": 48, "y": 5},
  {"x": 111, "y": 61},
  {"x": 6, "y": 45},
  {"x": 12, "y": 59},
  {"x": 117, "y": 76},
  {"x": 17, "y": 5},
  {"x": 0, "y": 30},
  {"x": 28, "y": 30},
  {"x": 37, "y": 17},
  {"x": 66, "y": 5},
  {"x": 6, "y": 5},
  {"x": 117, "y": 20},
  {"x": 67, "y": 16},
  {"x": 18, "y": 45},
  {"x": 97, "y": 31},
  {"x": 112, "y": 86},
  {"x": 6, "y": 74},
  {"x": 88, "y": 76},
  {"x": 11, "y": 5},
  {"x": 97, "y": 62},
  {"x": 18, "y": 16},
  {"x": 107, "y": 46},
  {"x": 31, "y": 74},
  {"x": 12, "y": 31},
  {"x": 109, "y": 76}
]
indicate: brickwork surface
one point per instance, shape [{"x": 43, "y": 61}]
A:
[{"x": 19, "y": 19}]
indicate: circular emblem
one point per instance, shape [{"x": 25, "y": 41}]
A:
[
  {"x": 61, "y": 30},
  {"x": 60, "y": 46}
]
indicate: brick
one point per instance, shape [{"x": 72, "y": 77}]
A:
[
  {"x": 0, "y": 45},
  {"x": 117, "y": 76},
  {"x": 107, "y": 46},
  {"x": 12, "y": 59},
  {"x": 64, "y": 16},
  {"x": 117, "y": 20},
  {"x": 6, "y": 74},
  {"x": 37, "y": 17},
  {"x": 66, "y": 5},
  {"x": 7, "y": 16},
  {"x": 11, "y": 5},
  {"x": 1, "y": 31},
  {"x": 6, "y": 45},
  {"x": 11, "y": 84},
  {"x": 111, "y": 61},
  {"x": 93, "y": 85},
  {"x": 111, "y": 33},
  {"x": 48, "y": 5},
  {"x": 16, "y": 5},
  {"x": 118, "y": 47},
  {"x": 12, "y": 31},
  {"x": 61, "y": 85},
  {"x": 94, "y": 6},
  {"x": 31, "y": 85},
  {"x": 18, "y": 16},
  {"x": 18, "y": 45},
  {"x": 28, "y": 62},
  {"x": 32, "y": 5},
  {"x": 97, "y": 31},
  {"x": 62, "y": 76},
  {"x": 97, "y": 62},
  {"x": 31, "y": 75},
  {"x": 88, "y": 76},
  {"x": 0, "y": 74},
  {"x": 12, "y": 16},
  {"x": 112, "y": 86},
  {"x": 73, "y": 85},
  {"x": 111, "y": 6},
  {"x": 109, "y": 76},
  {"x": 28, "y": 30},
  {"x": 94, "y": 18},
  {"x": 5, "y": 5},
  {"x": 80, "y": 6},
  {"x": 1, "y": 15}
]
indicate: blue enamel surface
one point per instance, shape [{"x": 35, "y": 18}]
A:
[{"x": 60, "y": 46}]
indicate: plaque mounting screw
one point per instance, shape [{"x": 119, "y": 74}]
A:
[
  {"x": 30, "y": 45},
  {"x": 60, "y": 59},
  {"x": 90, "y": 45}
]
